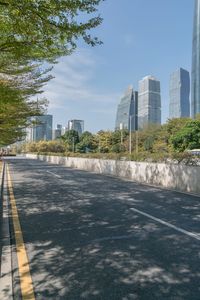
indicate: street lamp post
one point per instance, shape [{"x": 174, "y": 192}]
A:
[
  {"x": 121, "y": 129},
  {"x": 130, "y": 135},
  {"x": 130, "y": 129},
  {"x": 136, "y": 146},
  {"x": 73, "y": 143}
]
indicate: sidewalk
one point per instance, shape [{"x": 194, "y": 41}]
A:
[{"x": 6, "y": 286}]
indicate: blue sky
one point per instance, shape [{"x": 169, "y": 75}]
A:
[{"x": 140, "y": 37}]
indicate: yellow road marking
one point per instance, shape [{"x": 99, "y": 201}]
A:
[{"x": 23, "y": 263}]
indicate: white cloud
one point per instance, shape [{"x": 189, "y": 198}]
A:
[
  {"x": 73, "y": 84},
  {"x": 75, "y": 92}
]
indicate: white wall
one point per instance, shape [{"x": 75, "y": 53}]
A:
[{"x": 173, "y": 176}]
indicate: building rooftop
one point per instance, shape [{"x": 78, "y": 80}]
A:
[{"x": 149, "y": 77}]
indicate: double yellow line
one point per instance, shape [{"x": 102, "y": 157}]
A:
[{"x": 26, "y": 283}]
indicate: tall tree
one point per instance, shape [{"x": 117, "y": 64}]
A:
[
  {"x": 71, "y": 139},
  {"x": 47, "y": 29},
  {"x": 87, "y": 142},
  {"x": 188, "y": 137},
  {"x": 34, "y": 32},
  {"x": 15, "y": 111}
]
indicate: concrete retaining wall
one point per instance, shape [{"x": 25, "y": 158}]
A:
[{"x": 178, "y": 177}]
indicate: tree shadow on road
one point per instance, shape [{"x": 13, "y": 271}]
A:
[{"x": 84, "y": 241}]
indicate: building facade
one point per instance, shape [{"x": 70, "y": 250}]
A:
[
  {"x": 42, "y": 130},
  {"x": 195, "y": 80},
  {"x": 57, "y": 132},
  {"x": 149, "y": 102},
  {"x": 127, "y": 111},
  {"x": 77, "y": 125},
  {"x": 179, "y": 92}
]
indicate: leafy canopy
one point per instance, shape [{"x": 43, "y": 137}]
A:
[
  {"x": 188, "y": 137},
  {"x": 34, "y": 32},
  {"x": 45, "y": 29}
]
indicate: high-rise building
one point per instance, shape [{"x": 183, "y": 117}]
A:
[
  {"x": 127, "y": 111},
  {"x": 63, "y": 130},
  {"x": 149, "y": 102},
  {"x": 57, "y": 132},
  {"x": 77, "y": 125},
  {"x": 59, "y": 126},
  {"x": 179, "y": 92},
  {"x": 195, "y": 80},
  {"x": 42, "y": 130}
]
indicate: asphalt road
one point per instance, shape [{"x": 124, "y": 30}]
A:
[{"x": 90, "y": 236}]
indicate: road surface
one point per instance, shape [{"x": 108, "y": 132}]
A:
[{"x": 95, "y": 237}]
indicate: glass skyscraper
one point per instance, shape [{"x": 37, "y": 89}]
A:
[
  {"x": 149, "y": 102},
  {"x": 57, "y": 132},
  {"x": 77, "y": 125},
  {"x": 195, "y": 84},
  {"x": 42, "y": 131},
  {"x": 127, "y": 111},
  {"x": 179, "y": 92}
]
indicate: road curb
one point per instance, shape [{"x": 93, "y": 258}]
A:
[
  {"x": 2, "y": 172},
  {"x": 1, "y": 187},
  {"x": 6, "y": 284}
]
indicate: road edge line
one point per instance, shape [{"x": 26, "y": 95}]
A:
[
  {"x": 6, "y": 279},
  {"x": 26, "y": 283}
]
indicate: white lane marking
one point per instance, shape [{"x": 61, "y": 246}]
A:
[
  {"x": 191, "y": 234},
  {"x": 54, "y": 174}
]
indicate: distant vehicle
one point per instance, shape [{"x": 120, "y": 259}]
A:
[{"x": 194, "y": 152}]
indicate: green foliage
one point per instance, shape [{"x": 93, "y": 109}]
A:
[
  {"x": 70, "y": 139},
  {"x": 14, "y": 113},
  {"x": 148, "y": 143},
  {"x": 45, "y": 30},
  {"x": 87, "y": 143},
  {"x": 155, "y": 144},
  {"x": 119, "y": 135},
  {"x": 176, "y": 124},
  {"x": 104, "y": 139},
  {"x": 34, "y": 32},
  {"x": 45, "y": 146},
  {"x": 188, "y": 137},
  {"x": 119, "y": 140}
]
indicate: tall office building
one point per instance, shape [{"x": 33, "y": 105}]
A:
[
  {"x": 179, "y": 92},
  {"x": 57, "y": 132},
  {"x": 149, "y": 102},
  {"x": 63, "y": 130},
  {"x": 59, "y": 126},
  {"x": 127, "y": 111},
  {"x": 77, "y": 125},
  {"x": 42, "y": 130},
  {"x": 195, "y": 82}
]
